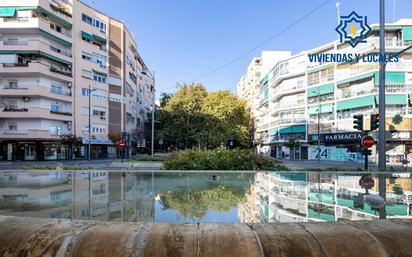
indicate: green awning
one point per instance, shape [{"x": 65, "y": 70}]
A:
[
  {"x": 356, "y": 103},
  {"x": 324, "y": 108},
  {"x": 51, "y": 36},
  {"x": 355, "y": 78},
  {"x": 391, "y": 77},
  {"x": 87, "y": 36},
  {"x": 11, "y": 10},
  {"x": 410, "y": 99},
  {"x": 292, "y": 129},
  {"x": 51, "y": 57},
  {"x": 98, "y": 38},
  {"x": 48, "y": 56},
  {"x": 321, "y": 90},
  {"x": 265, "y": 79},
  {"x": 393, "y": 100},
  {"x": 273, "y": 131},
  {"x": 407, "y": 33},
  {"x": 266, "y": 92},
  {"x": 7, "y": 11},
  {"x": 57, "y": 18}
]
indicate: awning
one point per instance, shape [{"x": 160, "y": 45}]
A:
[
  {"x": 320, "y": 68},
  {"x": 324, "y": 108},
  {"x": 407, "y": 33},
  {"x": 87, "y": 36},
  {"x": 265, "y": 79},
  {"x": 391, "y": 77},
  {"x": 47, "y": 34},
  {"x": 410, "y": 99},
  {"x": 273, "y": 131},
  {"x": 7, "y": 11},
  {"x": 57, "y": 18},
  {"x": 10, "y": 11},
  {"x": 393, "y": 100},
  {"x": 356, "y": 103},
  {"x": 100, "y": 39},
  {"x": 292, "y": 129},
  {"x": 266, "y": 92},
  {"x": 321, "y": 90},
  {"x": 48, "y": 56},
  {"x": 355, "y": 78}
]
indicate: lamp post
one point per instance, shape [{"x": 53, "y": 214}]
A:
[
  {"x": 90, "y": 129},
  {"x": 153, "y": 114}
]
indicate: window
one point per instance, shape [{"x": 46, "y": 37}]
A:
[
  {"x": 56, "y": 108},
  {"x": 13, "y": 126},
  {"x": 13, "y": 84},
  {"x": 85, "y": 92},
  {"x": 56, "y": 89},
  {"x": 99, "y": 77},
  {"x": 86, "y": 57},
  {"x": 56, "y": 130},
  {"x": 87, "y": 19}
]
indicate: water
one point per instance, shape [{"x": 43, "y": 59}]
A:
[{"x": 191, "y": 197}]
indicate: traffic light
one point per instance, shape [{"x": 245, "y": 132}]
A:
[
  {"x": 367, "y": 152},
  {"x": 374, "y": 121},
  {"x": 358, "y": 122},
  {"x": 124, "y": 135}
]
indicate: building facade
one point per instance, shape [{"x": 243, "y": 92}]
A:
[
  {"x": 56, "y": 55},
  {"x": 302, "y": 100}
]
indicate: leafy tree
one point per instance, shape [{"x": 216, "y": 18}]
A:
[{"x": 194, "y": 118}]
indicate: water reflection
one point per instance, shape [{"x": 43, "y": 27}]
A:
[{"x": 199, "y": 197}]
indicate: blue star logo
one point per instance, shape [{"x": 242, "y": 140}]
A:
[{"x": 353, "y": 29}]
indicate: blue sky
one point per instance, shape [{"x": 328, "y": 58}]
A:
[{"x": 184, "y": 39}]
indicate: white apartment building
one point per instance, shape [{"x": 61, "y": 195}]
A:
[
  {"x": 53, "y": 55},
  {"x": 298, "y": 96}
]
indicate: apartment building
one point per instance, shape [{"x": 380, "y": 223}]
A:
[
  {"x": 55, "y": 55},
  {"x": 305, "y": 100},
  {"x": 248, "y": 87}
]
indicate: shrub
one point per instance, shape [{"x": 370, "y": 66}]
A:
[
  {"x": 148, "y": 158},
  {"x": 221, "y": 160}
]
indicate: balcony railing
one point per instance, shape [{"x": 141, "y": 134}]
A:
[
  {"x": 5, "y": 65},
  {"x": 57, "y": 70},
  {"x": 61, "y": 113},
  {"x": 15, "y": 109},
  {"x": 15, "y": 131}
]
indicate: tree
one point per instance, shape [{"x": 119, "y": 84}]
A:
[{"x": 195, "y": 118}]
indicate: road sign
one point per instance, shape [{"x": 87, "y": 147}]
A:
[
  {"x": 367, "y": 141},
  {"x": 122, "y": 143},
  {"x": 367, "y": 182}
]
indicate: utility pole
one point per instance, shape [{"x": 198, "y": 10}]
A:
[
  {"x": 319, "y": 112},
  {"x": 381, "y": 147},
  {"x": 90, "y": 129},
  {"x": 153, "y": 112},
  {"x": 382, "y": 116}
]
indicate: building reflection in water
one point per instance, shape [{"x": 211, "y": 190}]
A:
[
  {"x": 311, "y": 196},
  {"x": 199, "y": 197}
]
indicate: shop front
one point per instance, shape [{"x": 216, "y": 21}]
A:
[
  {"x": 289, "y": 143},
  {"x": 100, "y": 148},
  {"x": 12, "y": 150},
  {"x": 399, "y": 146},
  {"x": 336, "y": 147}
]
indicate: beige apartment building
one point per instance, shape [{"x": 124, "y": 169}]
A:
[{"x": 53, "y": 55}]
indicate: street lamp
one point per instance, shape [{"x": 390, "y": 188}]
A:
[{"x": 90, "y": 130}]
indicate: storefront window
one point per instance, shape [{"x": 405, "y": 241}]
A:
[{"x": 55, "y": 152}]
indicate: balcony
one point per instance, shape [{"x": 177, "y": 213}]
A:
[
  {"x": 27, "y": 134},
  {"x": 33, "y": 113},
  {"x": 33, "y": 68},
  {"x": 16, "y": 46},
  {"x": 35, "y": 91}
]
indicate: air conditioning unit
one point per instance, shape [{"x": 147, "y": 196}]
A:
[
  {"x": 70, "y": 85},
  {"x": 26, "y": 99}
]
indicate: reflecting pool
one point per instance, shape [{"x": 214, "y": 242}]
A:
[{"x": 191, "y": 197}]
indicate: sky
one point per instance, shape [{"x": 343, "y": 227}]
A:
[{"x": 182, "y": 40}]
